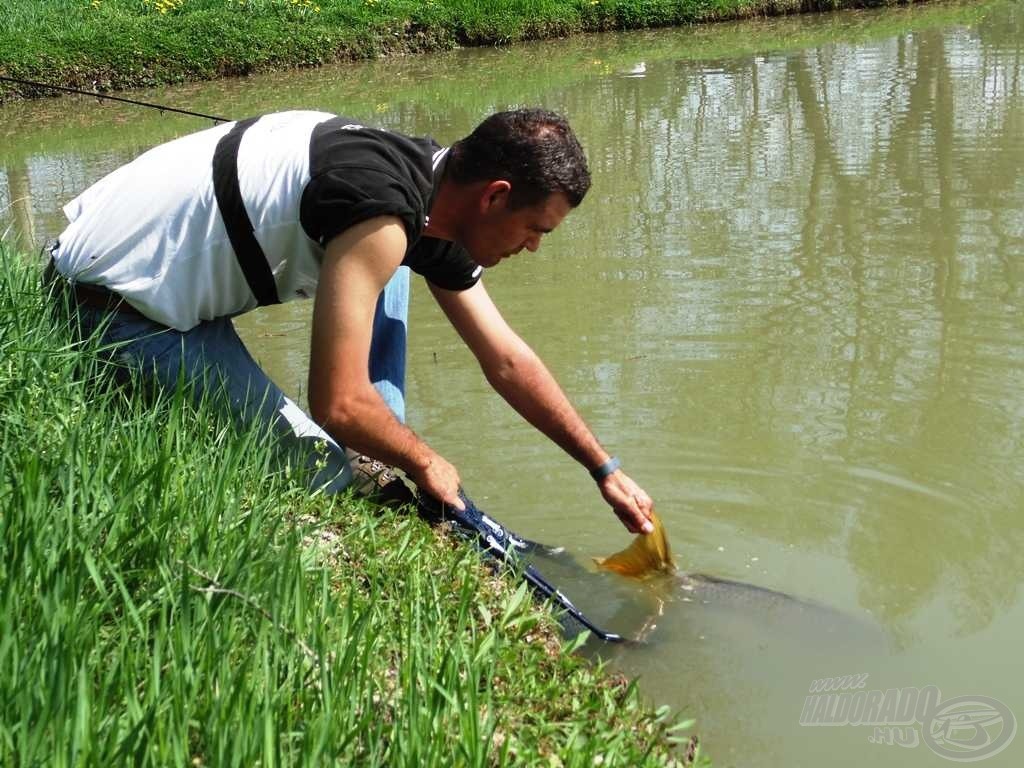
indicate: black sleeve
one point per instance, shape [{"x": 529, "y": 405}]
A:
[
  {"x": 343, "y": 196},
  {"x": 444, "y": 263}
]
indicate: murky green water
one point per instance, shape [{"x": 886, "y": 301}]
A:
[{"x": 793, "y": 304}]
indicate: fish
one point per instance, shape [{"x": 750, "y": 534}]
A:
[
  {"x": 706, "y": 599},
  {"x": 648, "y": 554},
  {"x": 648, "y": 558}
]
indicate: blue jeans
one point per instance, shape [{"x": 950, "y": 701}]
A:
[{"x": 214, "y": 360}]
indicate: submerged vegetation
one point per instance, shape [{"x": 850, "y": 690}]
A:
[
  {"x": 170, "y": 596},
  {"x": 113, "y": 44}
]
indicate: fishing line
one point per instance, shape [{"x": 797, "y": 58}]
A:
[{"x": 161, "y": 107}]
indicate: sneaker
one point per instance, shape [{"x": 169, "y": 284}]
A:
[{"x": 378, "y": 482}]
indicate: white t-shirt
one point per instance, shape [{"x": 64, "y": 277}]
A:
[{"x": 153, "y": 232}]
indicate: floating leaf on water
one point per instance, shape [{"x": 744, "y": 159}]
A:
[{"x": 649, "y": 553}]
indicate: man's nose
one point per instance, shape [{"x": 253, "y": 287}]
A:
[{"x": 532, "y": 243}]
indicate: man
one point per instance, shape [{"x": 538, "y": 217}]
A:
[{"x": 162, "y": 252}]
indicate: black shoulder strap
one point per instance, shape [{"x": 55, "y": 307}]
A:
[{"x": 228, "y": 192}]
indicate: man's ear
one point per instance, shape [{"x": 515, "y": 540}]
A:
[{"x": 495, "y": 196}]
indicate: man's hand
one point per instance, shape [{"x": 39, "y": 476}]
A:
[
  {"x": 629, "y": 501},
  {"x": 440, "y": 479}
]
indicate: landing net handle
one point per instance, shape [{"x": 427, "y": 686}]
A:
[{"x": 496, "y": 541}]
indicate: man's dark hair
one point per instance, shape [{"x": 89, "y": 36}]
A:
[{"x": 533, "y": 149}]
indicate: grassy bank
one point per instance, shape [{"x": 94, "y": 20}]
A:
[
  {"x": 170, "y": 596},
  {"x": 114, "y": 44}
]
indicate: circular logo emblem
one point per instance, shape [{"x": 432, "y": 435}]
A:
[{"x": 969, "y": 728}]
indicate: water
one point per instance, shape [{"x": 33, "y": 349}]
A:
[{"x": 793, "y": 304}]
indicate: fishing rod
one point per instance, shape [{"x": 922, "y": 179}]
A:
[{"x": 94, "y": 94}]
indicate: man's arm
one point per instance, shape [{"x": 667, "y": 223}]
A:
[
  {"x": 356, "y": 266},
  {"x": 518, "y": 375}
]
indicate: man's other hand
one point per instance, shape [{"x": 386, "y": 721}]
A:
[
  {"x": 439, "y": 478},
  {"x": 629, "y": 501}
]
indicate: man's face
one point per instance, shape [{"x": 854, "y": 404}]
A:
[{"x": 499, "y": 232}]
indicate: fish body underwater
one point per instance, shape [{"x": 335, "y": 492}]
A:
[
  {"x": 657, "y": 598},
  {"x": 740, "y": 658}
]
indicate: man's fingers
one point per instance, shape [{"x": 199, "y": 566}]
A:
[
  {"x": 645, "y": 524},
  {"x": 636, "y": 518},
  {"x": 646, "y": 508},
  {"x": 634, "y": 521},
  {"x": 448, "y": 497},
  {"x": 441, "y": 480}
]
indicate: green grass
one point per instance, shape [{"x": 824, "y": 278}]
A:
[
  {"x": 113, "y": 44},
  {"x": 171, "y": 595}
]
